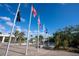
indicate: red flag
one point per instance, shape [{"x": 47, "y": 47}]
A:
[
  {"x": 39, "y": 23},
  {"x": 34, "y": 11}
]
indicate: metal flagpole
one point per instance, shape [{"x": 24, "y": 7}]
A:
[
  {"x": 44, "y": 34},
  {"x": 28, "y": 32},
  {"x": 38, "y": 37},
  {"x": 12, "y": 30}
]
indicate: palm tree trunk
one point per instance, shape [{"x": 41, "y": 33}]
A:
[{"x": 15, "y": 39}]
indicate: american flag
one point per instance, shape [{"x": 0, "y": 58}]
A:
[{"x": 34, "y": 11}]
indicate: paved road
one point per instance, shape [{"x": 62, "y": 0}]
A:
[{"x": 16, "y": 50}]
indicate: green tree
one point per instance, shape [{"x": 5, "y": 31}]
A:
[
  {"x": 40, "y": 38},
  {"x": 51, "y": 39},
  {"x": 75, "y": 41},
  {"x": 57, "y": 40},
  {"x": 66, "y": 38}
]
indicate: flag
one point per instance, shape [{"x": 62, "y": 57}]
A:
[
  {"x": 39, "y": 23},
  {"x": 34, "y": 11},
  {"x": 18, "y": 17}
]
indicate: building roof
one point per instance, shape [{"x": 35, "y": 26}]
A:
[{"x": 6, "y": 35}]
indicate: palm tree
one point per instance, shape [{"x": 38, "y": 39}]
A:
[
  {"x": 21, "y": 37},
  {"x": 16, "y": 35},
  {"x": 57, "y": 39}
]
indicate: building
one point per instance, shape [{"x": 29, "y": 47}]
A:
[{"x": 4, "y": 36}]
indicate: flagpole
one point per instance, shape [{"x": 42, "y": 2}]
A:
[
  {"x": 12, "y": 30},
  {"x": 44, "y": 34},
  {"x": 38, "y": 37},
  {"x": 27, "y": 45}
]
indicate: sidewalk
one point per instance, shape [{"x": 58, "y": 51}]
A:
[{"x": 16, "y": 50}]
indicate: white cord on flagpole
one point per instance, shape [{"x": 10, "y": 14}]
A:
[
  {"x": 26, "y": 53},
  {"x": 12, "y": 30}
]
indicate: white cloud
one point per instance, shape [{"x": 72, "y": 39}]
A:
[
  {"x": 2, "y": 27},
  {"x": 9, "y": 23},
  {"x": 35, "y": 31},
  {"x": 10, "y": 11},
  {"x": 22, "y": 19},
  {"x": 5, "y": 18},
  {"x": 8, "y": 7},
  {"x": 18, "y": 28},
  {"x": 24, "y": 30}
]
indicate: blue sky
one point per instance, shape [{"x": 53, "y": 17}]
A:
[{"x": 53, "y": 16}]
